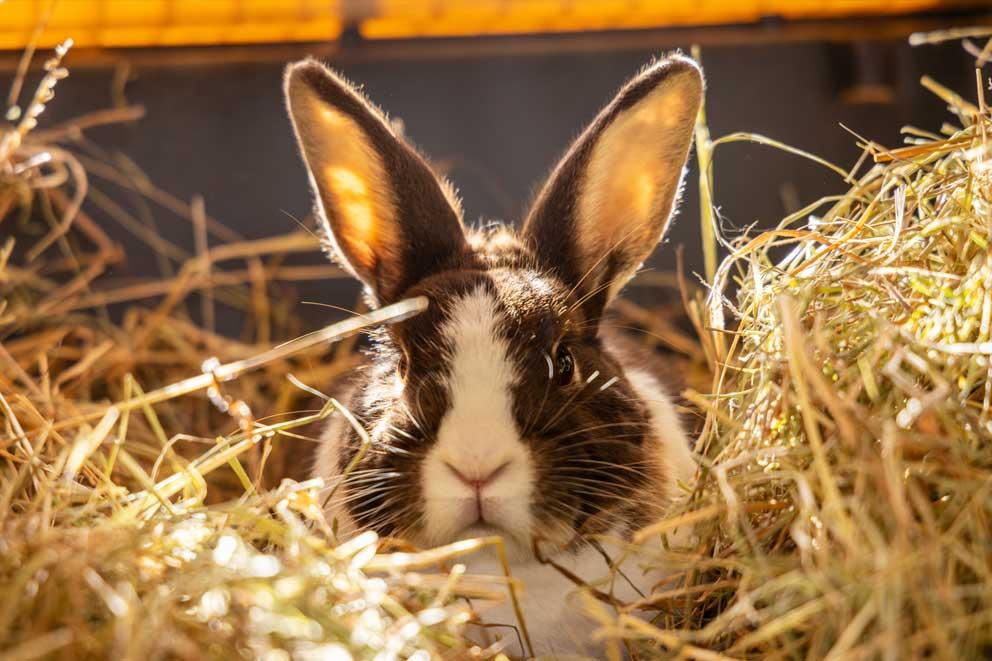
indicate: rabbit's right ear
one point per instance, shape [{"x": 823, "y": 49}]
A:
[
  {"x": 609, "y": 201},
  {"x": 386, "y": 215}
]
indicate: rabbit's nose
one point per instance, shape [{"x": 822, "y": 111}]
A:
[{"x": 477, "y": 479}]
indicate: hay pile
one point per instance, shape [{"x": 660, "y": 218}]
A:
[
  {"x": 845, "y": 506},
  {"x": 843, "y": 509}
]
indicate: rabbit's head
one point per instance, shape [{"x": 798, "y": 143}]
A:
[{"x": 498, "y": 409}]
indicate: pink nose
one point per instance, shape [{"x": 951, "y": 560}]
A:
[{"x": 473, "y": 479}]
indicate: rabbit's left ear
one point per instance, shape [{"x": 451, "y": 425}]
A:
[
  {"x": 387, "y": 217},
  {"x": 608, "y": 202}
]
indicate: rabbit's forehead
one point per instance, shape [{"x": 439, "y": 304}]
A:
[{"x": 512, "y": 303}]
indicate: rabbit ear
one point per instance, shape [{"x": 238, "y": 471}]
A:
[
  {"x": 608, "y": 202},
  {"x": 386, "y": 216}
]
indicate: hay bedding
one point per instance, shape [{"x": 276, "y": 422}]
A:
[{"x": 844, "y": 501}]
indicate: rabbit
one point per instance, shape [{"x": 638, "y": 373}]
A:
[{"x": 504, "y": 408}]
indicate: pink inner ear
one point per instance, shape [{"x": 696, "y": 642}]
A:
[{"x": 353, "y": 201}]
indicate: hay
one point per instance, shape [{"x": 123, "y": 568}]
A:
[
  {"x": 842, "y": 511},
  {"x": 845, "y": 501}
]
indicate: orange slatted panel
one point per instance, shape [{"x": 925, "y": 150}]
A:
[
  {"x": 177, "y": 22},
  {"x": 420, "y": 18},
  {"x": 169, "y": 22}
]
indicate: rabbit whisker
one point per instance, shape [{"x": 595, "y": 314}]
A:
[
  {"x": 567, "y": 407},
  {"x": 586, "y": 430}
]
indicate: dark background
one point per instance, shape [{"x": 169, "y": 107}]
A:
[{"x": 496, "y": 114}]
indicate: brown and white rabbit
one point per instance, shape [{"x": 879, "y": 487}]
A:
[{"x": 504, "y": 408}]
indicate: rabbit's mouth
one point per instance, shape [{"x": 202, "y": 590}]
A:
[{"x": 487, "y": 523}]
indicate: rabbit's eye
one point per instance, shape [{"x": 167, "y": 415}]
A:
[{"x": 564, "y": 366}]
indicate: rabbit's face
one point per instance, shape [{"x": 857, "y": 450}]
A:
[
  {"x": 514, "y": 416},
  {"x": 497, "y": 410}
]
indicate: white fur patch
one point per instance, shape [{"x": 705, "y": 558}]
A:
[
  {"x": 551, "y": 605},
  {"x": 478, "y": 434},
  {"x": 676, "y": 455},
  {"x": 326, "y": 467}
]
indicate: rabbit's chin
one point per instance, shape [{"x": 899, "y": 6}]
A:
[{"x": 516, "y": 543}]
